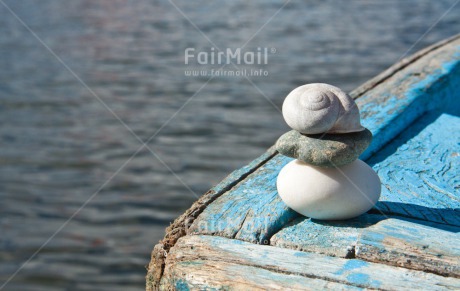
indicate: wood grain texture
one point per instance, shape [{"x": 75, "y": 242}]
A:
[
  {"x": 428, "y": 247},
  {"x": 251, "y": 211},
  {"x": 189, "y": 275},
  {"x": 429, "y": 84},
  {"x": 427, "y": 81},
  {"x": 421, "y": 178},
  {"x": 332, "y": 238},
  {"x": 180, "y": 226},
  {"x": 399, "y": 66},
  {"x": 409, "y": 243},
  {"x": 217, "y": 253}
]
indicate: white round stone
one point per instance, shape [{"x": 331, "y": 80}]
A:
[{"x": 329, "y": 193}]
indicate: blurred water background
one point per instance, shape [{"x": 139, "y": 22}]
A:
[{"x": 59, "y": 144}]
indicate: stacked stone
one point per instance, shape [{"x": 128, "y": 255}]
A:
[
  {"x": 324, "y": 150},
  {"x": 326, "y": 181}
]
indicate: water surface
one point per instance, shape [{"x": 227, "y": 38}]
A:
[{"x": 60, "y": 144}]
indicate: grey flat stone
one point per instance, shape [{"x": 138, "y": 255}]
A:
[{"x": 324, "y": 150}]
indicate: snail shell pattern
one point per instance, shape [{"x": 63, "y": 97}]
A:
[{"x": 320, "y": 108}]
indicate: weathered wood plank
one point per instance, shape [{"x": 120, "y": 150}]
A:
[
  {"x": 222, "y": 252},
  {"x": 428, "y": 84},
  {"x": 332, "y": 238},
  {"x": 388, "y": 103},
  {"x": 180, "y": 226},
  {"x": 431, "y": 247},
  {"x": 206, "y": 275},
  {"x": 420, "y": 178},
  {"x": 385, "y": 75},
  {"x": 251, "y": 211},
  {"x": 420, "y": 175},
  {"x": 409, "y": 243}
]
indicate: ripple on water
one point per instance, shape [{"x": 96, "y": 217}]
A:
[{"x": 60, "y": 145}]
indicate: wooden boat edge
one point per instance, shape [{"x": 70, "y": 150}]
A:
[{"x": 180, "y": 226}]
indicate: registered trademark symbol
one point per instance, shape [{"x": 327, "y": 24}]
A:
[{"x": 273, "y": 50}]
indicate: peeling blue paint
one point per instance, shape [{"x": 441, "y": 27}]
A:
[
  {"x": 390, "y": 117},
  {"x": 300, "y": 254},
  {"x": 376, "y": 237},
  {"x": 355, "y": 264},
  {"x": 181, "y": 285},
  {"x": 252, "y": 211},
  {"x": 363, "y": 279},
  {"x": 351, "y": 265},
  {"x": 420, "y": 178},
  {"x": 358, "y": 278}
]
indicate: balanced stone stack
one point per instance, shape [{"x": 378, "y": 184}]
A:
[{"x": 326, "y": 180}]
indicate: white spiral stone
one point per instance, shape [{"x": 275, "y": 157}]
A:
[{"x": 320, "y": 108}]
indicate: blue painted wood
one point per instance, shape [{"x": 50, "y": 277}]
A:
[
  {"x": 390, "y": 107},
  {"x": 232, "y": 276},
  {"x": 245, "y": 206},
  {"x": 421, "y": 179},
  {"x": 242, "y": 172},
  {"x": 332, "y": 238},
  {"x": 252, "y": 211},
  {"x": 180, "y": 226},
  {"x": 202, "y": 262},
  {"x": 411, "y": 243}
]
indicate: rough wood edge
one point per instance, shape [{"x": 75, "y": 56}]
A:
[
  {"x": 218, "y": 250},
  {"x": 388, "y": 73},
  {"x": 181, "y": 224}
]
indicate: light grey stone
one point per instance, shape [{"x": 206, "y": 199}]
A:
[{"x": 317, "y": 108}]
